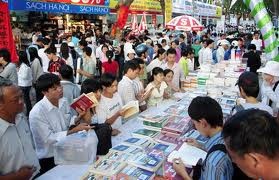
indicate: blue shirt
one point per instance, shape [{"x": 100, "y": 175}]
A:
[{"x": 218, "y": 165}]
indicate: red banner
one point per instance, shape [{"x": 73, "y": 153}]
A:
[
  {"x": 79, "y": 2},
  {"x": 6, "y": 36}
]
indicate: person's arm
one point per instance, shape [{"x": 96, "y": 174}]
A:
[
  {"x": 179, "y": 168},
  {"x": 102, "y": 115}
]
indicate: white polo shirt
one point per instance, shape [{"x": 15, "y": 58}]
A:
[
  {"x": 16, "y": 146},
  {"x": 126, "y": 90}
]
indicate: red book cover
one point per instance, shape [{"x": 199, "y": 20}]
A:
[{"x": 84, "y": 102}]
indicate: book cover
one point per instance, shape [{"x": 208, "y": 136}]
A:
[
  {"x": 155, "y": 124},
  {"x": 176, "y": 110},
  {"x": 165, "y": 148},
  {"x": 116, "y": 156},
  {"x": 177, "y": 125},
  {"x": 145, "y": 133},
  {"x": 145, "y": 161},
  {"x": 152, "y": 118},
  {"x": 84, "y": 102},
  {"x": 169, "y": 172},
  {"x": 130, "y": 109},
  {"x": 139, "y": 142},
  {"x": 126, "y": 149},
  {"x": 137, "y": 173},
  {"x": 161, "y": 138},
  {"x": 105, "y": 167}
]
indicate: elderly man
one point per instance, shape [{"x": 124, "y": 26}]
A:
[{"x": 18, "y": 159}]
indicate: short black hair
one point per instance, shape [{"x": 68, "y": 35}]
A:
[
  {"x": 107, "y": 79},
  {"x": 138, "y": 61},
  {"x": 46, "y": 41},
  {"x": 163, "y": 41},
  {"x": 204, "y": 107},
  {"x": 171, "y": 51},
  {"x": 167, "y": 71},
  {"x": 83, "y": 43},
  {"x": 130, "y": 65},
  {"x": 5, "y": 53},
  {"x": 90, "y": 85},
  {"x": 252, "y": 130},
  {"x": 209, "y": 41},
  {"x": 88, "y": 51},
  {"x": 66, "y": 72},
  {"x": 252, "y": 47},
  {"x": 249, "y": 82},
  {"x": 47, "y": 81},
  {"x": 50, "y": 50}
]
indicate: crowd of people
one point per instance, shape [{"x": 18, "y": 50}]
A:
[{"x": 128, "y": 68}]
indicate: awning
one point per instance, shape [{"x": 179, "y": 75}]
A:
[{"x": 100, "y": 7}]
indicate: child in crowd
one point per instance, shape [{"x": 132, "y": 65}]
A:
[
  {"x": 55, "y": 62},
  {"x": 186, "y": 61},
  {"x": 168, "y": 76},
  {"x": 111, "y": 66},
  {"x": 109, "y": 109},
  {"x": 102, "y": 130},
  {"x": 88, "y": 67},
  {"x": 249, "y": 88},
  {"x": 157, "y": 86}
]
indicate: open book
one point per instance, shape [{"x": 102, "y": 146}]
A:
[
  {"x": 84, "y": 102},
  {"x": 189, "y": 155},
  {"x": 130, "y": 109}
]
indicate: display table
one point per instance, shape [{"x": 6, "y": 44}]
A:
[{"x": 62, "y": 172}]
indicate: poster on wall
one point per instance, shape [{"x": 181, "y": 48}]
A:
[{"x": 100, "y": 7}]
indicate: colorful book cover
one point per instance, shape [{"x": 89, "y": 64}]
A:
[
  {"x": 117, "y": 156},
  {"x": 126, "y": 149},
  {"x": 169, "y": 172},
  {"x": 145, "y": 133},
  {"x": 145, "y": 161},
  {"x": 161, "y": 138},
  {"x": 177, "y": 125},
  {"x": 155, "y": 124},
  {"x": 152, "y": 118},
  {"x": 137, "y": 173},
  {"x": 84, "y": 102},
  {"x": 165, "y": 148},
  {"x": 139, "y": 142},
  {"x": 176, "y": 110},
  {"x": 105, "y": 167}
]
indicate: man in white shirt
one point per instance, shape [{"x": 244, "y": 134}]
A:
[
  {"x": 49, "y": 119},
  {"x": 220, "y": 54},
  {"x": 17, "y": 155},
  {"x": 42, "y": 54},
  {"x": 128, "y": 45},
  {"x": 171, "y": 64},
  {"x": 258, "y": 42},
  {"x": 207, "y": 56},
  {"x": 125, "y": 86}
]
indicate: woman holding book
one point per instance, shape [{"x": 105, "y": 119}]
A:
[
  {"x": 109, "y": 109},
  {"x": 157, "y": 86}
]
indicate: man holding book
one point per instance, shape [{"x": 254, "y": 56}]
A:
[
  {"x": 50, "y": 119},
  {"x": 207, "y": 116}
]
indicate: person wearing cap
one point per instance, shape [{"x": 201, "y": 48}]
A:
[
  {"x": 249, "y": 88},
  {"x": 270, "y": 89},
  {"x": 220, "y": 54},
  {"x": 128, "y": 45},
  {"x": 130, "y": 54},
  {"x": 253, "y": 58}
]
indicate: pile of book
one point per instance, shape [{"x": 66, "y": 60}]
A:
[
  {"x": 176, "y": 126},
  {"x": 227, "y": 103},
  {"x": 155, "y": 122}
]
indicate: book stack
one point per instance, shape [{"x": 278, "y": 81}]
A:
[
  {"x": 176, "y": 126},
  {"x": 140, "y": 143},
  {"x": 155, "y": 123},
  {"x": 123, "y": 148},
  {"x": 177, "y": 110},
  {"x": 105, "y": 167},
  {"x": 227, "y": 103},
  {"x": 190, "y": 82},
  {"x": 132, "y": 172},
  {"x": 145, "y": 133}
]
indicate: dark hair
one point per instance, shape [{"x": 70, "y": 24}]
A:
[
  {"x": 104, "y": 46},
  {"x": 171, "y": 51},
  {"x": 5, "y": 53},
  {"x": 138, "y": 61},
  {"x": 83, "y": 43},
  {"x": 47, "y": 81},
  {"x": 181, "y": 36},
  {"x": 45, "y": 41},
  {"x": 176, "y": 42},
  {"x": 249, "y": 82},
  {"x": 109, "y": 55},
  {"x": 66, "y": 72},
  {"x": 90, "y": 85},
  {"x": 130, "y": 65},
  {"x": 50, "y": 50},
  {"x": 107, "y": 79},
  {"x": 64, "y": 51},
  {"x": 155, "y": 71},
  {"x": 252, "y": 47},
  {"x": 88, "y": 51},
  {"x": 159, "y": 46},
  {"x": 206, "y": 108},
  {"x": 163, "y": 41},
  {"x": 209, "y": 41},
  {"x": 4, "y": 82},
  {"x": 252, "y": 130},
  {"x": 167, "y": 71},
  {"x": 33, "y": 54},
  {"x": 161, "y": 51},
  {"x": 22, "y": 56}
]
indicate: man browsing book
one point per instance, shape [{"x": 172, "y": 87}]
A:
[{"x": 207, "y": 116}]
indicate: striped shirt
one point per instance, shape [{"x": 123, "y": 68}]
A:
[
  {"x": 126, "y": 90},
  {"x": 218, "y": 165}
]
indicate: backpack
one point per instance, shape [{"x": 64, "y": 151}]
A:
[
  {"x": 103, "y": 132},
  {"x": 237, "y": 173}
]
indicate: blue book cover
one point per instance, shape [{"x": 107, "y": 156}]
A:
[{"x": 138, "y": 173}]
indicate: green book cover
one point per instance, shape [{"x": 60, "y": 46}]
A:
[{"x": 145, "y": 132}]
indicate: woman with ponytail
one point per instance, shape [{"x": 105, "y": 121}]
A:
[{"x": 111, "y": 66}]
